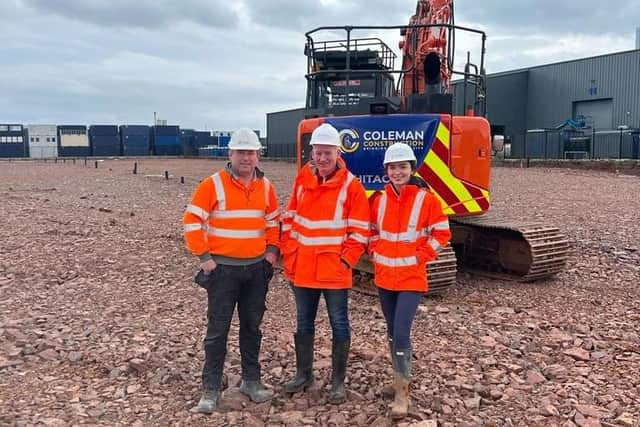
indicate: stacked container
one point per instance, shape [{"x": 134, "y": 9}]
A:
[
  {"x": 222, "y": 149},
  {"x": 135, "y": 140},
  {"x": 187, "y": 137},
  {"x": 73, "y": 141},
  {"x": 105, "y": 140},
  {"x": 223, "y": 138},
  {"x": 203, "y": 139},
  {"x": 13, "y": 141},
  {"x": 208, "y": 151},
  {"x": 43, "y": 141},
  {"x": 166, "y": 140}
]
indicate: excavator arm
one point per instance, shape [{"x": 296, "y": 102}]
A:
[{"x": 426, "y": 51}]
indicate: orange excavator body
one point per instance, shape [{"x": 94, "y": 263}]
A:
[{"x": 351, "y": 84}]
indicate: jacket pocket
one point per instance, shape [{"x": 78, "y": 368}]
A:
[
  {"x": 328, "y": 266},
  {"x": 289, "y": 253}
]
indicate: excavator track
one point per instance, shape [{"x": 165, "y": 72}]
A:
[
  {"x": 441, "y": 274},
  {"x": 492, "y": 246}
]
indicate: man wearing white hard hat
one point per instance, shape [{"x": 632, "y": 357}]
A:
[
  {"x": 324, "y": 232},
  {"x": 232, "y": 226},
  {"x": 408, "y": 230}
]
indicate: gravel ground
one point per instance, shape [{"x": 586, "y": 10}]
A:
[{"x": 100, "y": 323}]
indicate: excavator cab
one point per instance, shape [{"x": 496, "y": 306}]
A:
[
  {"x": 347, "y": 77},
  {"x": 355, "y": 77}
]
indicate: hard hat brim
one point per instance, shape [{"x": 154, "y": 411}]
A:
[{"x": 327, "y": 143}]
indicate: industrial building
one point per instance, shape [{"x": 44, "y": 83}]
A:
[
  {"x": 13, "y": 141},
  {"x": 43, "y": 141},
  {"x": 583, "y": 108},
  {"x": 73, "y": 141},
  {"x": 282, "y": 130}
]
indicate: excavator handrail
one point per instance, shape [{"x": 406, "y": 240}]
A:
[
  {"x": 392, "y": 27},
  {"x": 349, "y": 28}
]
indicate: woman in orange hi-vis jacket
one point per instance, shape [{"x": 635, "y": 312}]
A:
[
  {"x": 324, "y": 232},
  {"x": 232, "y": 226},
  {"x": 408, "y": 230}
]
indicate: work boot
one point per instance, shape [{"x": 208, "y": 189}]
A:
[
  {"x": 208, "y": 402},
  {"x": 339, "y": 357},
  {"x": 257, "y": 392},
  {"x": 400, "y": 405},
  {"x": 304, "y": 364}
]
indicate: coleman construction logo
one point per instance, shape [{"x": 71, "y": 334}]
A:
[{"x": 351, "y": 139}]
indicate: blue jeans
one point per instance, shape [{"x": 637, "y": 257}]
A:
[
  {"x": 337, "y": 301},
  {"x": 399, "y": 309}
]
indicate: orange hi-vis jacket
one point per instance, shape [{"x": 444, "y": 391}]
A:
[
  {"x": 324, "y": 223},
  {"x": 231, "y": 223},
  {"x": 408, "y": 230}
]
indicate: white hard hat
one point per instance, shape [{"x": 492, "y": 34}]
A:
[
  {"x": 325, "y": 134},
  {"x": 244, "y": 139},
  {"x": 399, "y": 152}
]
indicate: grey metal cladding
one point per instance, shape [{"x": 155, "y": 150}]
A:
[
  {"x": 507, "y": 100},
  {"x": 282, "y": 132},
  {"x": 554, "y": 88}
]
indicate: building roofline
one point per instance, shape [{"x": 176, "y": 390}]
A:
[
  {"x": 519, "y": 70},
  {"x": 533, "y": 67},
  {"x": 287, "y": 111}
]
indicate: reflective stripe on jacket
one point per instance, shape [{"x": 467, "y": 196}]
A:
[
  {"x": 408, "y": 230},
  {"x": 227, "y": 219},
  {"x": 324, "y": 223}
]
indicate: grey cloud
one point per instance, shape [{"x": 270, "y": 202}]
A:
[
  {"x": 551, "y": 16},
  {"x": 521, "y": 16},
  {"x": 125, "y": 59},
  {"x": 149, "y": 14},
  {"x": 127, "y": 87},
  {"x": 305, "y": 15}
]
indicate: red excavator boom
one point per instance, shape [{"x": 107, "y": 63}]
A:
[{"x": 428, "y": 48}]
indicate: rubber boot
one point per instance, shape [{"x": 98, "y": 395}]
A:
[
  {"x": 389, "y": 390},
  {"x": 257, "y": 392},
  {"x": 402, "y": 361},
  {"x": 339, "y": 357},
  {"x": 208, "y": 402},
  {"x": 304, "y": 365}
]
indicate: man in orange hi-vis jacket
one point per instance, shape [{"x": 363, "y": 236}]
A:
[
  {"x": 232, "y": 225},
  {"x": 324, "y": 232}
]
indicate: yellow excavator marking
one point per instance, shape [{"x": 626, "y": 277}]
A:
[{"x": 442, "y": 170}]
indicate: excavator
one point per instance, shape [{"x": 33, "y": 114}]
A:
[{"x": 353, "y": 83}]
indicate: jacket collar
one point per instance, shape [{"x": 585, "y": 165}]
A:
[
  {"x": 310, "y": 178},
  {"x": 408, "y": 190}
]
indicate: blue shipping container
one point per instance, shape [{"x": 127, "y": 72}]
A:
[
  {"x": 73, "y": 141},
  {"x": 105, "y": 140},
  {"x": 14, "y": 141},
  {"x": 166, "y": 141},
  {"x": 203, "y": 139},
  {"x": 135, "y": 140},
  {"x": 166, "y": 130},
  {"x": 209, "y": 151},
  {"x": 188, "y": 145},
  {"x": 167, "y": 145},
  {"x": 223, "y": 140}
]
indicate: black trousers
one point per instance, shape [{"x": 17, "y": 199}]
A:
[{"x": 246, "y": 287}]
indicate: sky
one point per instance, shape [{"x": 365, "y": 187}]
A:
[{"x": 220, "y": 65}]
